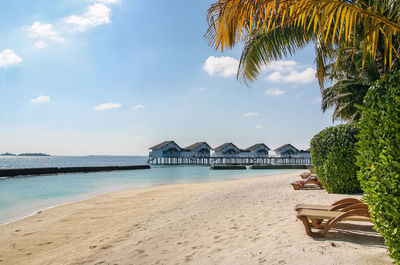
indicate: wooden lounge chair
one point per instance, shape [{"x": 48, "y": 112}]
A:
[
  {"x": 310, "y": 180},
  {"x": 336, "y": 206},
  {"x": 325, "y": 220},
  {"x": 307, "y": 174}
]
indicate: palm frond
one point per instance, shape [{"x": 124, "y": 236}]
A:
[
  {"x": 343, "y": 95},
  {"x": 330, "y": 20},
  {"x": 260, "y": 48}
]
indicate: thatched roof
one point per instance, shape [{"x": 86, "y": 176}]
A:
[
  {"x": 283, "y": 146},
  {"x": 254, "y": 147}
]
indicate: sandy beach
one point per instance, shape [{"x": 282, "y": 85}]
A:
[{"x": 248, "y": 221}]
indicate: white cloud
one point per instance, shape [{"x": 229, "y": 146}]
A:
[
  {"x": 274, "y": 92},
  {"x": 137, "y": 107},
  {"x": 299, "y": 95},
  {"x": 39, "y": 30},
  {"x": 96, "y": 15},
  {"x": 279, "y": 71},
  {"x": 40, "y": 44},
  {"x": 223, "y": 66},
  {"x": 125, "y": 136},
  {"x": 280, "y": 66},
  {"x": 8, "y": 57},
  {"x": 259, "y": 126},
  {"x": 202, "y": 88},
  {"x": 40, "y": 99},
  {"x": 293, "y": 76},
  {"x": 107, "y": 106},
  {"x": 107, "y": 2},
  {"x": 289, "y": 72},
  {"x": 251, "y": 114}
]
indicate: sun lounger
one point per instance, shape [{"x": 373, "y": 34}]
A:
[
  {"x": 336, "y": 206},
  {"x": 310, "y": 180},
  {"x": 325, "y": 220},
  {"x": 307, "y": 174}
]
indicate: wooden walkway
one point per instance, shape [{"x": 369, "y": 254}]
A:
[
  {"x": 230, "y": 161},
  {"x": 15, "y": 172}
]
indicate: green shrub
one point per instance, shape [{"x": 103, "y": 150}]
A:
[
  {"x": 379, "y": 159},
  {"x": 333, "y": 154}
]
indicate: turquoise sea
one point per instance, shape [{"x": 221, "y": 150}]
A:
[
  {"x": 70, "y": 161},
  {"x": 23, "y": 196}
]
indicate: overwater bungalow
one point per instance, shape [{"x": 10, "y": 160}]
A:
[
  {"x": 244, "y": 153},
  {"x": 304, "y": 153},
  {"x": 165, "y": 149},
  {"x": 286, "y": 150},
  {"x": 197, "y": 150},
  {"x": 258, "y": 150},
  {"x": 227, "y": 150},
  {"x": 200, "y": 153}
]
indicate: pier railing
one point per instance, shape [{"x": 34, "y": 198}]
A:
[{"x": 230, "y": 161}]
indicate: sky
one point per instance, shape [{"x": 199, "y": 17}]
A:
[{"x": 115, "y": 77}]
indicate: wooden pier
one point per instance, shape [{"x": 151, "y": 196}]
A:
[
  {"x": 248, "y": 161},
  {"x": 15, "y": 172}
]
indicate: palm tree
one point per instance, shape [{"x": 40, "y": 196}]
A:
[
  {"x": 351, "y": 81},
  {"x": 343, "y": 52},
  {"x": 344, "y": 96},
  {"x": 331, "y": 24}
]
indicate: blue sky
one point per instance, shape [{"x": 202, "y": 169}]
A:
[{"x": 82, "y": 77}]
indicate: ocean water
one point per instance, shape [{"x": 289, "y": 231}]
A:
[
  {"x": 70, "y": 161},
  {"x": 23, "y": 196}
]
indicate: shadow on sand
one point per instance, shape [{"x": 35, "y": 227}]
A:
[{"x": 355, "y": 233}]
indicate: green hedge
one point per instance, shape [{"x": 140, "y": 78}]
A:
[
  {"x": 333, "y": 154},
  {"x": 379, "y": 159}
]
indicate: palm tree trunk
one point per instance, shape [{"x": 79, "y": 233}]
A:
[{"x": 380, "y": 61}]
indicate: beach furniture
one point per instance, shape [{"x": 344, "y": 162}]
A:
[
  {"x": 307, "y": 174},
  {"x": 300, "y": 184},
  {"x": 339, "y": 205},
  {"x": 325, "y": 220}
]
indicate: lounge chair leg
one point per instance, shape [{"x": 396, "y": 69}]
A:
[
  {"x": 307, "y": 227},
  {"x": 317, "y": 223},
  {"x": 296, "y": 186}
]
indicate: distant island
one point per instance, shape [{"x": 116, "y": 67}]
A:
[
  {"x": 33, "y": 154},
  {"x": 7, "y": 154},
  {"x": 25, "y": 154}
]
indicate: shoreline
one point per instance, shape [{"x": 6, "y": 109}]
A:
[
  {"x": 90, "y": 195},
  {"x": 241, "y": 221}
]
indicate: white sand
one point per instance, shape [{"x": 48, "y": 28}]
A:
[{"x": 249, "y": 221}]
